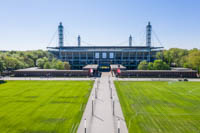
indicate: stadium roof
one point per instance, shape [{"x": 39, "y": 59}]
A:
[{"x": 104, "y": 48}]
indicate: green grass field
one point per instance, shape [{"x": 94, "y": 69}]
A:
[
  {"x": 42, "y": 106},
  {"x": 160, "y": 107}
]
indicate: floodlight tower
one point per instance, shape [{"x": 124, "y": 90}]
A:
[
  {"x": 148, "y": 35},
  {"x": 130, "y": 41},
  {"x": 60, "y": 35},
  {"x": 79, "y": 41}
]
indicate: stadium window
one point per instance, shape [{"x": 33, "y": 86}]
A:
[
  {"x": 111, "y": 55},
  {"x": 96, "y": 55},
  {"x": 104, "y": 55}
]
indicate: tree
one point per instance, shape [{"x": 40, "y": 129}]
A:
[
  {"x": 173, "y": 56},
  {"x": 2, "y": 66},
  {"x": 53, "y": 63},
  {"x": 23, "y": 59},
  {"x": 159, "y": 55},
  {"x": 66, "y": 66},
  {"x": 150, "y": 66},
  {"x": 59, "y": 65},
  {"x": 160, "y": 65},
  {"x": 19, "y": 64},
  {"x": 12, "y": 63},
  {"x": 40, "y": 62},
  {"x": 193, "y": 60},
  {"x": 28, "y": 61},
  {"x": 47, "y": 65},
  {"x": 143, "y": 65}
]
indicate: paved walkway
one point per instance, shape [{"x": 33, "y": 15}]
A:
[{"x": 103, "y": 120}]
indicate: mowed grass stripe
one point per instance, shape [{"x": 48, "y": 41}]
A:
[
  {"x": 160, "y": 107},
  {"x": 42, "y": 106}
]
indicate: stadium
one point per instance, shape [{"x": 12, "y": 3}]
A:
[
  {"x": 129, "y": 56},
  {"x": 92, "y": 60}
]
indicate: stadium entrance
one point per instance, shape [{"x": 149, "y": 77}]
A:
[
  {"x": 104, "y": 68},
  {"x": 96, "y": 69}
]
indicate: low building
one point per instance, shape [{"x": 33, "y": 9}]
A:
[
  {"x": 159, "y": 73},
  {"x": 35, "y": 72}
]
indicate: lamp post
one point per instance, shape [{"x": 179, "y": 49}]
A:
[
  {"x": 96, "y": 93},
  {"x": 118, "y": 125},
  {"x": 113, "y": 105},
  {"x": 92, "y": 105},
  {"x": 111, "y": 93},
  {"x": 85, "y": 125},
  {"x": 110, "y": 89}
]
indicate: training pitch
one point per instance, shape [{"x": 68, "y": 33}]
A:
[
  {"x": 42, "y": 106},
  {"x": 160, "y": 107}
]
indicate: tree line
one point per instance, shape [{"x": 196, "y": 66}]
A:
[
  {"x": 12, "y": 60},
  {"x": 174, "y": 57}
]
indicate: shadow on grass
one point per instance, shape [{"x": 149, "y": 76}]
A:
[
  {"x": 37, "y": 131},
  {"x": 24, "y": 101},
  {"x": 31, "y": 96},
  {"x": 54, "y": 120},
  {"x": 64, "y": 102},
  {"x": 2, "y": 81},
  {"x": 63, "y": 97}
]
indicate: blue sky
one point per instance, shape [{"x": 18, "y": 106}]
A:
[{"x": 30, "y": 24}]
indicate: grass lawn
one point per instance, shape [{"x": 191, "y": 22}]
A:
[
  {"x": 42, "y": 106},
  {"x": 160, "y": 107}
]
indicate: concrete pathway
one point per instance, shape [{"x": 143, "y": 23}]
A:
[{"x": 103, "y": 120}]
